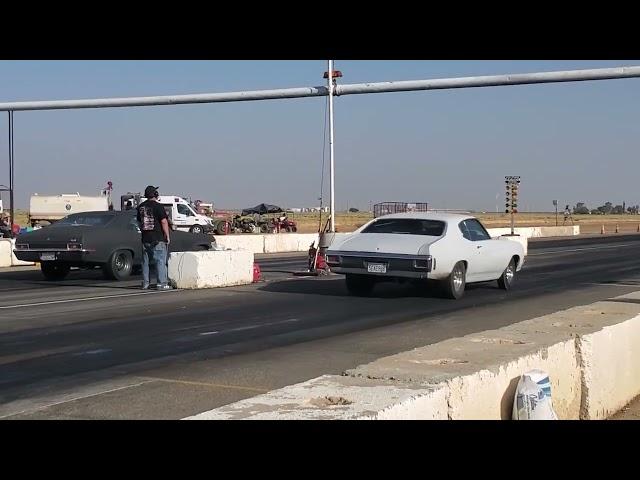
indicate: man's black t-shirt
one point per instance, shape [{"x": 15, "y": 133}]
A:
[{"x": 150, "y": 214}]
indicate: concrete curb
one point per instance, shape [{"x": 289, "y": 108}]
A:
[{"x": 591, "y": 352}]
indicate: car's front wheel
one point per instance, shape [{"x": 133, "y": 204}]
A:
[
  {"x": 455, "y": 283},
  {"x": 119, "y": 266},
  {"x": 508, "y": 276},
  {"x": 54, "y": 270},
  {"x": 360, "y": 285},
  {"x": 196, "y": 229}
]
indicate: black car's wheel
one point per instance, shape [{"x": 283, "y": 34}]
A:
[
  {"x": 508, "y": 276},
  {"x": 264, "y": 228},
  {"x": 455, "y": 283},
  {"x": 360, "y": 285},
  {"x": 54, "y": 270},
  {"x": 119, "y": 266},
  {"x": 294, "y": 229},
  {"x": 196, "y": 229}
]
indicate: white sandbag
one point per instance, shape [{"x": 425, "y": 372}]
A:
[{"x": 532, "y": 400}]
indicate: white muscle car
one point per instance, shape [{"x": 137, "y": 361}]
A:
[{"x": 453, "y": 249}]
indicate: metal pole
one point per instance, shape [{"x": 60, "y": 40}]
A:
[
  {"x": 348, "y": 89},
  {"x": 331, "y": 162},
  {"x": 556, "y": 214},
  {"x": 11, "y": 168}
]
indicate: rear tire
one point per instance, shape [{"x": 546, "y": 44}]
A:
[
  {"x": 455, "y": 283},
  {"x": 359, "y": 285},
  {"x": 119, "y": 266},
  {"x": 508, "y": 276},
  {"x": 54, "y": 270}
]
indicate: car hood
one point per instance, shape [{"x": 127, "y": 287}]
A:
[{"x": 387, "y": 243}]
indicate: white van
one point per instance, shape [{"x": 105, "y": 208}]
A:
[{"x": 182, "y": 215}]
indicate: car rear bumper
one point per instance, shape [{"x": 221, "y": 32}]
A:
[{"x": 395, "y": 265}]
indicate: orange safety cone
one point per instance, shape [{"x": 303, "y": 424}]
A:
[{"x": 602, "y": 230}]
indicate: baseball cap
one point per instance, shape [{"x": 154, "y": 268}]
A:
[{"x": 150, "y": 191}]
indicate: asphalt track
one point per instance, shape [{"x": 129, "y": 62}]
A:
[{"x": 88, "y": 348}]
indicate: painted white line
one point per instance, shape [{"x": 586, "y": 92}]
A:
[
  {"x": 615, "y": 284},
  {"x": 86, "y": 299},
  {"x": 93, "y": 352},
  {"x": 250, "y": 327},
  {"x": 581, "y": 249},
  {"x": 72, "y": 399},
  {"x": 208, "y": 333}
]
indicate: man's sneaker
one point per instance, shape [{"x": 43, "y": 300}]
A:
[
  {"x": 164, "y": 287},
  {"x": 145, "y": 286}
]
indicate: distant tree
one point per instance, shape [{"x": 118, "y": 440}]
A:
[
  {"x": 353, "y": 210},
  {"x": 617, "y": 210},
  {"x": 633, "y": 209},
  {"x": 595, "y": 211},
  {"x": 580, "y": 208}
]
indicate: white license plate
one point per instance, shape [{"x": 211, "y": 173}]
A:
[
  {"x": 376, "y": 268},
  {"x": 47, "y": 256}
]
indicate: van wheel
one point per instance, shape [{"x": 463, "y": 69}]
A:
[
  {"x": 54, "y": 270},
  {"x": 119, "y": 266},
  {"x": 196, "y": 229}
]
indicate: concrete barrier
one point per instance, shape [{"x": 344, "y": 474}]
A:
[
  {"x": 535, "y": 232},
  {"x": 592, "y": 355},
  {"x": 6, "y": 252},
  {"x": 253, "y": 243},
  {"x": 192, "y": 270},
  {"x": 331, "y": 396}
]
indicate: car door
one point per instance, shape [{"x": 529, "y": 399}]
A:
[
  {"x": 485, "y": 252},
  {"x": 184, "y": 216},
  {"x": 132, "y": 235}
]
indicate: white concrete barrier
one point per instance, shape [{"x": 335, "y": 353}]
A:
[
  {"x": 592, "y": 355},
  {"x": 192, "y": 270},
  {"x": 535, "y": 232},
  {"x": 6, "y": 252},
  {"x": 253, "y": 243},
  {"x": 333, "y": 397}
]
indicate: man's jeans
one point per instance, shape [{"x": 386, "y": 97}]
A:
[{"x": 156, "y": 253}]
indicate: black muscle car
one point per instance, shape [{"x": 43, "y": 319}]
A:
[{"x": 109, "y": 240}]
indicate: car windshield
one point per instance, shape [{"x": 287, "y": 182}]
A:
[
  {"x": 406, "y": 226},
  {"x": 93, "y": 220}
]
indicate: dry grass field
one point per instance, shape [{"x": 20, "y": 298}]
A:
[{"x": 347, "y": 222}]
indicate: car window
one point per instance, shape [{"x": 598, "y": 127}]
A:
[
  {"x": 475, "y": 230},
  {"x": 85, "y": 219},
  {"x": 184, "y": 210},
  {"x": 465, "y": 231},
  {"x": 406, "y": 226}
]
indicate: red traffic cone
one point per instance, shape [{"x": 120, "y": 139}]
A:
[{"x": 257, "y": 274}]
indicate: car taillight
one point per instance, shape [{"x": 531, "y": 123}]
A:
[
  {"x": 423, "y": 264},
  {"x": 334, "y": 259},
  {"x": 22, "y": 246},
  {"x": 74, "y": 246}
]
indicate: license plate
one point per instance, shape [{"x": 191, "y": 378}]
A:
[
  {"x": 376, "y": 268},
  {"x": 48, "y": 256}
]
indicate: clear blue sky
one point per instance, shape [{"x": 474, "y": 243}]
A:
[{"x": 572, "y": 142}]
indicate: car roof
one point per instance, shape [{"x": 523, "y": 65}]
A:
[{"x": 441, "y": 216}]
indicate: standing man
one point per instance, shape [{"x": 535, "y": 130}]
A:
[{"x": 154, "y": 225}]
